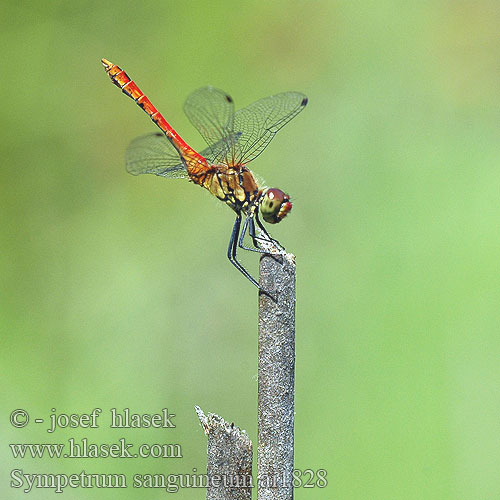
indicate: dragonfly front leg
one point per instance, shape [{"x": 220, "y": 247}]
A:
[
  {"x": 267, "y": 236},
  {"x": 231, "y": 252},
  {"x": 249, "y": 225}
]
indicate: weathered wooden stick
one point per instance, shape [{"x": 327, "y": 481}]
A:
[
  {"x": 276, "y": 377},
  {"x": 229, "y": 456}
]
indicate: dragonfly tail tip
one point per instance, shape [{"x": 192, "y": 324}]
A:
[{"x": 106, "y": 63}]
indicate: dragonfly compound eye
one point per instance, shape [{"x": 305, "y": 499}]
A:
[{"x": 275, "y": 205}]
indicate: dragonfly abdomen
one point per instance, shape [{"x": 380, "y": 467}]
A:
[{"x": 191, "y": 158}]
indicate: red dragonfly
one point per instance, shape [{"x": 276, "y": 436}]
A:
[{"x": 234, "y": 139}]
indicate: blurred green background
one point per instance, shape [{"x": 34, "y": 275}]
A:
[{"x": 116, "y": 291}]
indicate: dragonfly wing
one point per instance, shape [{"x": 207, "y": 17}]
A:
[
  {"x": 211, "y": 111},
  {"x": 154, "y": 154},
  {"x": 219, "y": 152},
  {"x": 257, "y": 124}
]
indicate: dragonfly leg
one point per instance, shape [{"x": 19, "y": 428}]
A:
[
  {"x": 267, "y": 236},
  {"x": 255, "y": 237},
  {"x": 249, "y": 225},
  {"x": 231, "y": 252}
]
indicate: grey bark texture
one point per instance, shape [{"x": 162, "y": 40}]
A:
[
  {"x": 229, "y": 470},
  {"x": 229, "y": 459},
  {"x": 275, "y": 458}
]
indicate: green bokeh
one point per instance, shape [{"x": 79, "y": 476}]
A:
[{"x": 116, "y": 292}]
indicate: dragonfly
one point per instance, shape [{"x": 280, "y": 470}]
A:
[{"x": 234, "y": 139}]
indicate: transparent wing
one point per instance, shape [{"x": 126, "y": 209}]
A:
[
  {"x": 211, "y": 111},
  {"x": 154, "y": 154},
  {"x": 257, "y": 124},
  {"x": 218, "y": 152}
]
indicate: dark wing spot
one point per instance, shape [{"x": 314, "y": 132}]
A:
[
  {"x": 228, "y": 98},
  {"x": 304, "y": 101}
]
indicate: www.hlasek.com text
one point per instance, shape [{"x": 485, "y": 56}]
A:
[{"x": 84, "y": 448}]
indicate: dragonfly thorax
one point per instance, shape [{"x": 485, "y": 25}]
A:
[
  {"x": 236, "y": 186},
  {"x": 274, "y": 205}
]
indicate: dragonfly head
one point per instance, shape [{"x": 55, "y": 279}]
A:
[{"x": 274, "y": 205}]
